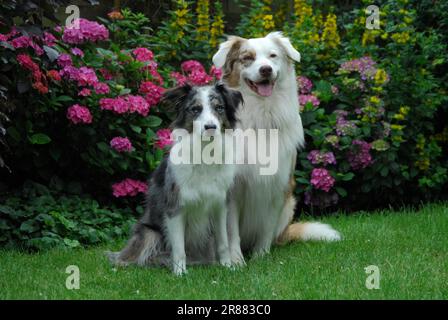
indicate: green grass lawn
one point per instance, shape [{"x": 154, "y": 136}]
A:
[{"x": 409, "y": 248}]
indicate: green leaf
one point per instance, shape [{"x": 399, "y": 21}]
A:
[
  {"x": 40, "y": 138},
  {"x": 12, "y": 131},
  {"x": 71, "y": 243},
  {"x": 303, "y": 180},
  {"x": 64, "y": 98},
  {"x": 348, "y": 176},
  {"x": 342, "y": 192},
  {"x": 153, "y": 121},
  {"x": 136, "y": 128},
  {"x": 124, "y": 91},
  {"x": 103, "y": 146},
  {"x": 29, "y": 226}
]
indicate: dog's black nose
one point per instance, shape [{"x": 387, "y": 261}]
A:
[
  {"x": 210, "y": 127},
  {"x": 265, "y": 71}
]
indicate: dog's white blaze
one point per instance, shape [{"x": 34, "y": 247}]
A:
[
  {"x": 207, "y": 117},
  {"x": 263, "y": 48}
]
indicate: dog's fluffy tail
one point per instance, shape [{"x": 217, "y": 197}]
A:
[
  {"x": 144, "y": 246},
  {"x": 306, "y": 231}
]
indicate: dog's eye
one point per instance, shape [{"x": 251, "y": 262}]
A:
[
  {"x": 196, "y": 109},
  {"x": 248, "y": 58},
  {"x": 273, "y": 55},
  {"x": 219, "y": 109}
]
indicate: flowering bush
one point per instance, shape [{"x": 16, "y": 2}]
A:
[{"x": 100, "y": 102}]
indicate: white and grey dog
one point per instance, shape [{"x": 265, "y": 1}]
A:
[
  {"x": 186, "y": 215},
  {"x": 262, "y": 206}
]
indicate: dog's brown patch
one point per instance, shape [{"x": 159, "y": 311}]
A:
[
  {"x": 232, "y": 68},
  {"x": 247, "y": 57},
  {"x": 289, "y": 192},
  {"x": 292, "y": 232}
]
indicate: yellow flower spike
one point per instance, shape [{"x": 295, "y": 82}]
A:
[
  {"x": 203, "y": 23},
  {"x": 397, "y": 127},
  {"x": 375, "y": 100},
  {"x": 380, "y": 77},
  {"x": 217, "y": 27},
  {"x": 302, "y": 10},
  {"x": 330, "y": 34}
]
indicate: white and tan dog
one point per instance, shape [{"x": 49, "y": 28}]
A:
[{"x": 261, "y": 207}]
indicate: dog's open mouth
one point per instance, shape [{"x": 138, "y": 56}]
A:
[{"x": 263, "y": 88}]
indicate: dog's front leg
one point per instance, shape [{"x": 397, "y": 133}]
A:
[
  {"x": 222, "y": 239},
  {"x": 233, "y": 224},
  {"x": 176, "y": 234}
]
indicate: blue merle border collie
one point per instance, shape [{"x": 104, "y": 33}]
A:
[{"x": 185, "y": 217}]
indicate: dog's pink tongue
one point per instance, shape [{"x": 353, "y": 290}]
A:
[{"x": 265, "y": 90}]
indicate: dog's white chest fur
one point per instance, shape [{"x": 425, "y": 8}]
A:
[
  {"x": 202, "y": 196},
  {"x": 203, "y": 183}
]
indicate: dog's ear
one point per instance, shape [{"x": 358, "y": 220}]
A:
[
  {"x": 232, "y": 99},
  {"x": 172, "y": 99},
  {"x": 219, "y": 59},
  {"x": 286, "y": 44}
]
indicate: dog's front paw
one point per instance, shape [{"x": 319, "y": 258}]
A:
[
  {"x": 237, "y": 258},
  {"x": 260, "y": 252},
  {"x": 179, "y": 268},
  {"x": 226, "y": 262}
]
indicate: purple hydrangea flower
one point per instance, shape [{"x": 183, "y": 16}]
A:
[
  {"x": 319, "y": 157},
  {"x": 321, "y": 179},
  {"x": 359, "y": 157}
]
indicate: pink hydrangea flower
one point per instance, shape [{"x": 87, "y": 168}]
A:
[
  {"x": 143, "y": 54},
  {"x": 37, "y": 49},
  {"x": 77, "y": 52},
  {"x": 192, "y": 65},
  {"x": 83, "y": 30},
  {"x": 163, "y": 138},
  {"x": 49, "y": 39},
  {"x": 129, "y": 187},
  {"x": 321, "y": 179},
  {"x": 305, "y": 85},
  {"x": 101, "y": 88},
  {"x": 153, "y": 92},
  {"x": 365, "y": 66},
  {"x": 85, "y": 92},
  {"x": 86, "y": 77},
  {"x": 179, "y": 78},
  {"x": 360, "y": 157},
  {"x": 151, "y": 67},
  {"x": 69, "y": 72},
  {"x": 21, "y": 42},
  {"x": 199, "y": 78},
  {"x": 216, "y": 72},
  {"x": 138, "y": 104},
  {"x": 194, "y": 73},
  {"x": 118, "y": 105},
  {"x": 64, "y": 60},
  {"x": 26, "y": 62},
  {"x": 107, "y": 75},
  {"x": 3, "y": 37},
  {"x": 319, "y": 157},
  {"x": 121, "y": 144},
  {"x": 305, "y": 98},
  {"x": 79, "y": 114}
]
